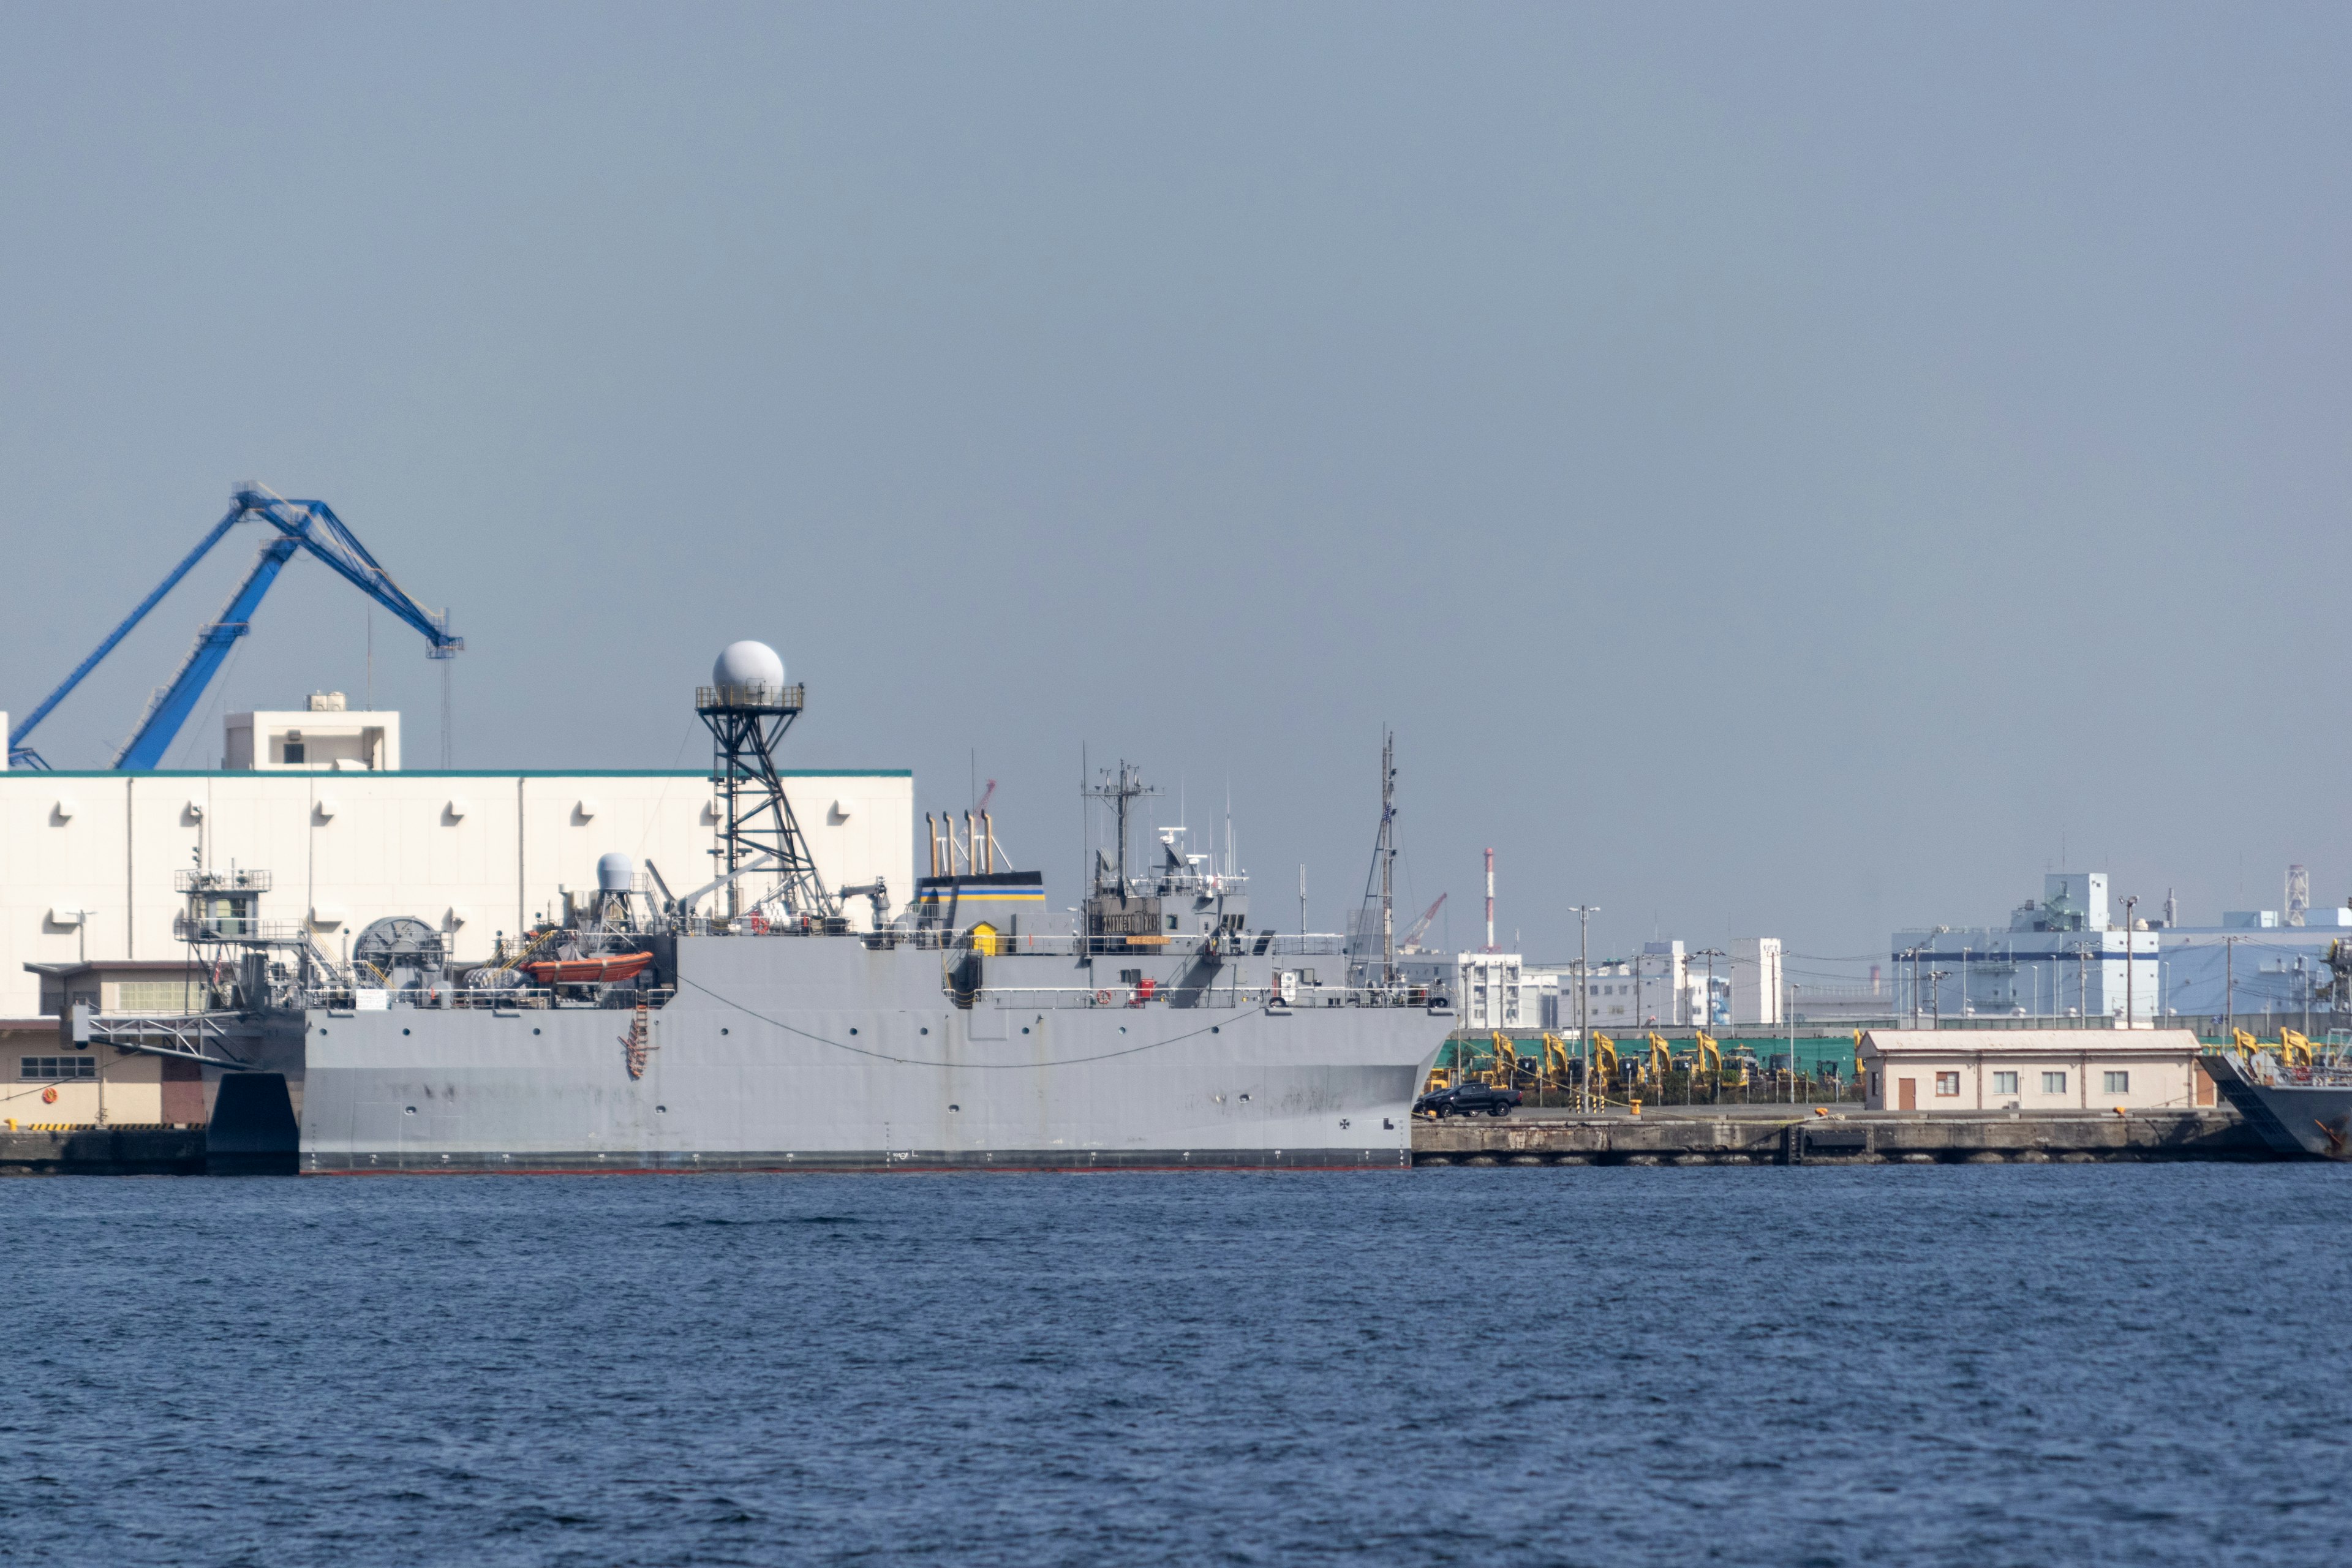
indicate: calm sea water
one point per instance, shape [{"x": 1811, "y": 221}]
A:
[{"x": 1964, "y": 1365}]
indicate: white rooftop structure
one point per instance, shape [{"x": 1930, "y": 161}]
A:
[{"x": 325, "y": 736}]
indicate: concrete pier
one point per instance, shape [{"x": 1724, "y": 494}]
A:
[{"x": 1698, "y": 1137}]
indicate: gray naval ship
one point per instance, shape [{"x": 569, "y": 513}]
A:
[
  {"x": 2299, "y": 1100},
  {"x": 750, "y": 1024}
]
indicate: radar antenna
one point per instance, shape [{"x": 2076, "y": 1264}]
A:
[{"x": 757, "y": 829}]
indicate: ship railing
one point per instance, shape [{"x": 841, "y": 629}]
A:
[
  {"x": 1303, "y": 998},
  {"x": 1049, "y": 943},
  {"x": 501, "y": 999},
  {"x": 230, "y": 929}
]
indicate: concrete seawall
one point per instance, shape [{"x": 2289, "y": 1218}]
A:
[
  {"x": 103, "y": 1151},
  {"x": 1685, "y": 1138}
]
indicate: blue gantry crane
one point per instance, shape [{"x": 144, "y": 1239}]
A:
[{"x": 310, "y": 525}]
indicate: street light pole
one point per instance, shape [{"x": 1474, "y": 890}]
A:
[
  {"x": 2230, "y": 983},
  {"x": 2130, "y": 1010},
  {"x": 1792, "y": 1042},
  {"x": 1584, "y": 913}
]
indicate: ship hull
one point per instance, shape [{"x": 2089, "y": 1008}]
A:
[
  {"x": 795, "y": 1054},
  {"x": 2291, "y": 1118}
]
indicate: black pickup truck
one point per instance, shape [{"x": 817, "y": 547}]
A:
[{"x": 1466, "y": 1099}]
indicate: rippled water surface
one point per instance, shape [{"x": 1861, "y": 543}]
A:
[{"x": 1956, "y": 1365}]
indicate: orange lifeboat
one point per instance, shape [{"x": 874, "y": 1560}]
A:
[{"x": 587, "y": 971}]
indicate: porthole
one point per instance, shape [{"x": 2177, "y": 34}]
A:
[
  {"x": 411, "y": 1112},
  {"x": 1024, "y": 1028},
  {"x": 403, "y": 1031},
  {"x": 534, "y": 1031},
  {"x": 662, "y": 1109},
  {"x": 1213, "y": 1028},
  {"x": 1122, "y": 1029},
  {"x": 853, "y": 1028},
  {"x": 722, "y": 1031},
  {"x": 927, "y": 1028}
]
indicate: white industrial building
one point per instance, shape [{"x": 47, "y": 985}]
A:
[
  {"x": 1490, "y": 990},
  {"x": 87, "y": 859},
  {"x": 1756, "y": 980},
  {"x": 320, "y": 737},
  {"x": 2071, "y": 954},
  {"x": 1663, "y": 986}
]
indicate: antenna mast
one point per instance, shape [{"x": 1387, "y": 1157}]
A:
[
  {"x": 1388, "y": 857},
  {"x": 757, "y": 829}
]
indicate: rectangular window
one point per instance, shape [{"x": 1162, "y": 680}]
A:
[
  {"x": 293, "y": 752},
  {"x": 1947, "y": 1085},
  {"x": 39, "y": 1069},
  {"x": 154, "y": 997},
  {"x": 2115, "y": 1083},
  {"x": 2004, "y": 1083},
  {"x": 2053, "y": 1083}
]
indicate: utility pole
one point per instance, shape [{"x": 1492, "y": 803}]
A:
[
  {"x": 2130, "y": 1020},
  {"x": 1706, "y": 1007},
  {"x": 1792, "y": 1042},
  {"x": 1584, "y": 913},
  {"x": 2230, "y": 983}
]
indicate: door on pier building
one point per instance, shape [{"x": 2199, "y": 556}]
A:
[{"x": 1910, "y": 1090}]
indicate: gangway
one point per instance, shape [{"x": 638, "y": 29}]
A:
[{"x": 310, "y": 525}]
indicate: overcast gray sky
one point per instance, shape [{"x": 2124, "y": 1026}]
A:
[{"x": 1790, "y": 469}]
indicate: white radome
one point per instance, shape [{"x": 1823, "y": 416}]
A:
[{"x": 749, "y": 664}]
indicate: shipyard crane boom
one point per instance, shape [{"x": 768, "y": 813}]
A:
[
  {"x": 1410, "y": 940},
  {"x": 310, "y": 525}
]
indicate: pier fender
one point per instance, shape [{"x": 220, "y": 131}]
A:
[{"x": 253, "y": 1131}]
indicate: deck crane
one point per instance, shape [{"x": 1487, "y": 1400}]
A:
[
  {"x": 310, "y": 525},
  {"x": 1410, "y": 942}
]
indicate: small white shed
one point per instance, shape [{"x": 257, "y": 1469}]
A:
[{"x": 2032, "y": 1069}]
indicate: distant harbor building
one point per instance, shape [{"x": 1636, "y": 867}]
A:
[
  {"x": 2068, "y": 956},
  {"x": 1663, "y": 986},
  {"x": 2061, "y": 957},
  {"x": 1756, "y": 981},
  {"x": 1490, "y": 990}
]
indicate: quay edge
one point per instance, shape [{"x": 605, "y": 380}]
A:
[{"x": 1853, "y": 1139}]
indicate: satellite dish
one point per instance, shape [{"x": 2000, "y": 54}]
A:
[{"x": 398, "y": 941}]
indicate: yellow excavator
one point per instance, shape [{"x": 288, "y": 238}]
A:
[
  {"x": 1559, "y": 1063},
  {"x": 1604, "y": 1061},
  {"x": 1710, "y": 1054},
  {"x": 2293, "y": 1048},
  {"x": 2245, "y": 1043},
  {"x": 1661, "y": 1061},
  {"x": 1506, "y": 1073}
]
